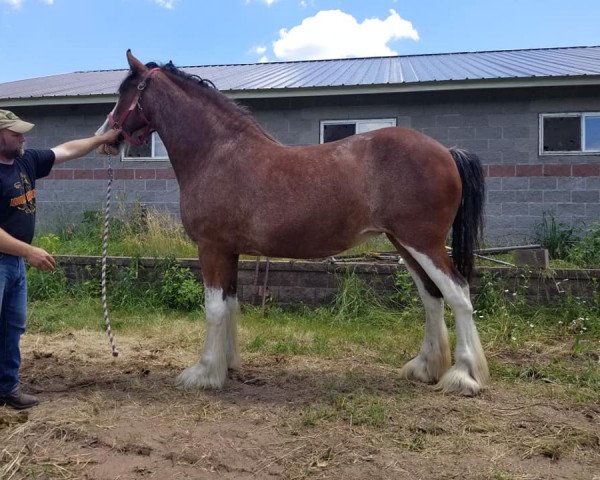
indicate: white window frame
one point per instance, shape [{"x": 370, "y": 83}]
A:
[
  {"x": 386, "y": 122},
  {"x": 582, "y": 116},
  {"x": 152, "y": 158}
]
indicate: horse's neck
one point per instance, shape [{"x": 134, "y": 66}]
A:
[{"x": 193, "y": 126}]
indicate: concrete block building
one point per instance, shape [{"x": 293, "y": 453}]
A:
[{"x": 533, "y": 117}]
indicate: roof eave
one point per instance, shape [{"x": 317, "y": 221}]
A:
[{"x": 452, "y": 85}]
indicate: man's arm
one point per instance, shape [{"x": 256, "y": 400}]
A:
[
  {"x": 37, "y": 257},
  {"x": 78, "y": 148}
]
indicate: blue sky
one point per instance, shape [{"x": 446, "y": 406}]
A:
[{"x": 46, "y": 37}]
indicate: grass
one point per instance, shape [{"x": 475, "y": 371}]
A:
[
  {"x": 135, "y": 233},
  {"x": 526, "y": 345}
]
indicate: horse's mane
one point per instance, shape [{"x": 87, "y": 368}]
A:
[
  {"x": 170, "y": 68},
  {"x": 203, "y": 86}
]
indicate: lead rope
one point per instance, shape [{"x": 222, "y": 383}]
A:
[{"x": 111, "y": 339}]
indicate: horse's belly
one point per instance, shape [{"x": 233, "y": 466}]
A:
[{"x": 308, "y": 244}]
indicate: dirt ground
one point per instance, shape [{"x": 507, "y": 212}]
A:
[{"x": 278, "y": 418}]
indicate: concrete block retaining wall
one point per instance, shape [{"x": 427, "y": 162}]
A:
[{"x": 316, "y": 283}]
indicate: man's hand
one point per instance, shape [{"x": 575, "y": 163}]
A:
[
  {"x": 110, "y": 136},
  {"x": 111, "y": 142},
  {"x": 78, "y": 148},
  {"x": 40, "y": 259}
]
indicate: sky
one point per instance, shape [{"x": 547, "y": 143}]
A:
[{"x": 48, "y": 37}]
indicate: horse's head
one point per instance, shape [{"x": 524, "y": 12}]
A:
[{"x": 128, "y": 114}]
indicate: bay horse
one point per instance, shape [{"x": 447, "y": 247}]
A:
[{"x": 242, "y": 192}]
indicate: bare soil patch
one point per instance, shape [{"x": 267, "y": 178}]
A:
[{"x": 284, "y": 417}]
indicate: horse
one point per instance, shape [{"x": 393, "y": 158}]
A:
[{"x": 243, "y": 192}]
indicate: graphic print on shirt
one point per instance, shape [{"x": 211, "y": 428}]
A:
[{"x": 25, "y": 201}]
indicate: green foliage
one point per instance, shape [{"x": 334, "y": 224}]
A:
[
  {"x": 50, "y": 243},
  {"x": 491, "y": 296},
  {"x": 586, "y": 252},
  {"x": 354, "y": 299},
  {"x": 134, "y": 230},
  {"x": 405, "y": 292},
  {"x": 180, "y": 289},
  {"x": 46, "y": 285},
  {"x": 131, "y": 287},
  {"x": 557, "y": 238}
]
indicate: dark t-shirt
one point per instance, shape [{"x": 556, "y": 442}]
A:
[{"x": 17, "y": 192}]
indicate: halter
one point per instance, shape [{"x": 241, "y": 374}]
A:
[{"x": 118, "y": 123}]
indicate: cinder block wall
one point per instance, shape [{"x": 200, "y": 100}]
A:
[{"x": 501, "y": 126}]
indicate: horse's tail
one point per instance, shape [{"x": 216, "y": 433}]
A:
[{"x": 467, "y": 228}]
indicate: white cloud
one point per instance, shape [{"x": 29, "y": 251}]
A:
[
  {"x": 336, "y": 34},
  {"x": 16, "y": 4},
  {"x": 261, "y": 49},
  {"x": 168, "y": 4},
  {"x": 13, "y": 3},
  {"x": 268, "y": 3}
]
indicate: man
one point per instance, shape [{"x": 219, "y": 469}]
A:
[{"x": 19, "y": 169}]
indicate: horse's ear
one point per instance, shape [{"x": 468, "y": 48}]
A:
[{"x": 135, "y": 64}]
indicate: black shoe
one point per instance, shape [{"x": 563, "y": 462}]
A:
[{"x": 18, "y": 400}]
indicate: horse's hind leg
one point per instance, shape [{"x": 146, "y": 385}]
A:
[
  {"x": 434, "y": 358},
  {"x": 469, "y": 374},
  {"x": 220, "y": 352}
]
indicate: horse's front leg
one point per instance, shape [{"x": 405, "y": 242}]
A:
[{"x": 219, "y": 271}]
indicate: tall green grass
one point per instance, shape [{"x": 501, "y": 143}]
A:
[
  {"x": 137, "y": 231},
  {"x": 576, "y": 245}
]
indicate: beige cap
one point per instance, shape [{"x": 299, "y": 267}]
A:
[{"x": 10, "y": 121}]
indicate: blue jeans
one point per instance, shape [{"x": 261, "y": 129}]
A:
[{"x": 13, "y": 317}]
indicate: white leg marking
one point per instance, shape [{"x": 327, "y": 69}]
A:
[
  {"x": 434, "y": 358},
  {"x": 211, "y": 370},
  {"x": 470, "y": 373}
]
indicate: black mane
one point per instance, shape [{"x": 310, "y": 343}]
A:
[
  {"x": 202, "y": 83},
  {"x": 172, "y": 69}
]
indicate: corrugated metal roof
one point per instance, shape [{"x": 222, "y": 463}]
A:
[{"x": 398, "y": 71}]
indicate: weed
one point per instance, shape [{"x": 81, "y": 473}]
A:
[
  {"x": 405, "y": 293},
  {"x": 586, "y": 252},
  {"x": 180, "y": 289},
  {"x": 312, "y": 415},
  {"x": 558, "y": 238},
  {"x": 135, "y": 230},
  {"x": 354, "y": 300},
  {"x": 45, "y": 285},
  {"x": 256, "y": 344},
  {"x": 490, "y": 296}
]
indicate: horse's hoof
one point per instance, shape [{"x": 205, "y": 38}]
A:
[
  {"x": 200, "y": 376},
  {"x": 416, "y": 369},
  {"x": 424, "y": 370},
  {"x": 459, "y": 382}
]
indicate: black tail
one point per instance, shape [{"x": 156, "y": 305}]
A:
[{"x": 467, "y": 228}]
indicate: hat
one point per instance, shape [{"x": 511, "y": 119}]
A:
[{"x": 10, "y": 121}]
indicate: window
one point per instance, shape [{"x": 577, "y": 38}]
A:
[
  {"x": 152, "y": 149},
  {"x": 332, "y": 130},
  {"x": 569, "y": 133}
]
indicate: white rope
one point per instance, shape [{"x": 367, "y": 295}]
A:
[{"x": 111, "y": 339}]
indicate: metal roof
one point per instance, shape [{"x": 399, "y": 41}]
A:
[{"x": 370, "y": 75}]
